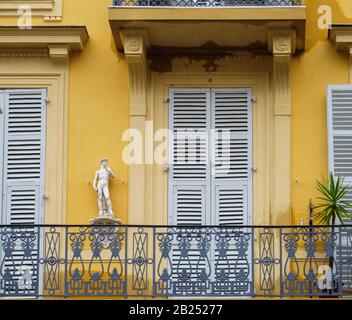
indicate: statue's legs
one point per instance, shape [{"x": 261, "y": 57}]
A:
[
  {"x": 101, "y": 201},
  {"x": 107, "y": 200}
]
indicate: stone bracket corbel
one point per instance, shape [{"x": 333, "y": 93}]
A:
[
  {"x": 282, "y": 44},
  {"x": 341, "y": 36},
  {"x": 59, "y": 53},
  {"x": 135, "y": 43}
]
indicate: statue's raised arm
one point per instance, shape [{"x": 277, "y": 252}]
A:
[{"x": 112, "y": 175}]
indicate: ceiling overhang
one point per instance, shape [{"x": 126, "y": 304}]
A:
[{"x": 186, "y": 28}]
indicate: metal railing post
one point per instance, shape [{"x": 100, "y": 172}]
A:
[
  {"x": 154, "y": 263},
  {"x": 66, "y": 262},
  {"x": 253, "y": 257},
  {"x": 126, "y": 264},
  {"x": 38, "y": 263},
  {"x": 281, "y": 266}
]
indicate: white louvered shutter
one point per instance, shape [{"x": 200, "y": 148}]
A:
[
  {"x": 203, "y": 190},
  {"x": 209, "y": 178},
  {"x": 2, "y": 133},
  {"x": 189, "y": 122},
  {"x": 231, "y": 181},
  {"x": 24, "y": 152},
  {"x": 339, "y": 119},
  {"x": 23, "y": 173},
  {"x": 232, "y": 166},
  {"x": 188, "y": 176}
]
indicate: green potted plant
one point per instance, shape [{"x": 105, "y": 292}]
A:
[{"x": 333, "y": 207}]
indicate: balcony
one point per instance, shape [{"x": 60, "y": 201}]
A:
[
  {"x": 225, "y": 25},
  {"x": 168, "y": 261}
]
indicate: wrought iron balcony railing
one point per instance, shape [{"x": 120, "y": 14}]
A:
[
  {"x": 206, "y": 3},
  {"x": 166, "y": 261}
]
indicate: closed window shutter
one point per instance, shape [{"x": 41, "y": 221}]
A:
[
  {"x": 198, "y": 182},
  {"x": 339, "y": 119},
  {"x": 232, "y": 123},
  {"x": 189, "y": 122},
  {"x": 2, "y": 133},
  {"x": 231, "y": 181},
  {"x": 24, "y": 155},
  {"x": 23, "y": 174},
  {"x": 189, "y": 178},
  {"x": 210, "y": 174}
]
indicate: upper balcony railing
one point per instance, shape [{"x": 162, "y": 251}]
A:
[
  {"x": 206, "y": 3},
  {"x": 175, "y": 261}
]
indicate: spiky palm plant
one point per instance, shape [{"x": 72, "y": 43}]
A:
[{"x": 333, "y": 206}]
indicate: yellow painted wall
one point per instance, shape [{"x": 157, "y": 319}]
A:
[
  {"x": 98, "y": 106},
  {"x": 312, "y": 71},
  {"x": 98, "y": 109},
  {"x": 98, "y": 112}
]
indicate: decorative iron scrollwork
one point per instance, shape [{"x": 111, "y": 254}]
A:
[{"x": 175, "y": 261}]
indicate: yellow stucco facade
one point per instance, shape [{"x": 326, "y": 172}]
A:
[
  {"x": 109, "y": 69},
  {"x": 98, "y": 88},
  {"x": 98, "y": 105}
]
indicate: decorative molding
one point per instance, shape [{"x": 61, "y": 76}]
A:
[
  {"x": 41, "y": 52},
  {"x": 51, "y": 10},
  {"x": 282, "y": 41},
  {"x": 282, "y": 44},
  {"x": 56, "y": 40},
  {"x": 58, "y": 53},
  {"x": 135, "y": 42},
  {"x": 135, "y": 48},
  {"x": 341, "y": 36}
]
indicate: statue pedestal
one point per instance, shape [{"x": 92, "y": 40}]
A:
[
  {"x": 105, "y": 221},
  {"x": 107, "y": 228}
]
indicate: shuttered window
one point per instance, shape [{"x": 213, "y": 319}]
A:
[
  {"x": 340, "y": 130},
  {"x": 339, "y": 119},
  {"x": 210, "y": 154},
  {"x": 231, "y": 184},
  {"x": 23, "y": 156},
  {"x": 22, "y": 169},
  {"x": 210, "y": 172},
  {"x": 189, "y": 122}
]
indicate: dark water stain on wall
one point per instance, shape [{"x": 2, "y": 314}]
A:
[{"x": 211, "y": 53}]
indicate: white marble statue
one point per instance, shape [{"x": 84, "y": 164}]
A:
[{"x": 101, "y": 185}]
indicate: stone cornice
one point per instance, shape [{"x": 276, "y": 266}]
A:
[
  {"x": 59, "y": 41},
  {"x": 341, "y": 36}
]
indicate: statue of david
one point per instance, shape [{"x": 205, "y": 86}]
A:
[{"x": 101, "y": 186}]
